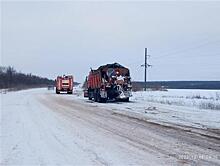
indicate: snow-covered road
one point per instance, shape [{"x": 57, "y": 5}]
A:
[{"x": 39, "y": 127}]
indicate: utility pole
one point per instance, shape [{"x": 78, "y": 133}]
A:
[
  {"x": 145, "y": 71},
  {"x": 146, "y": 65}
]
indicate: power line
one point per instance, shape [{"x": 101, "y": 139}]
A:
[
  {"x": 194, "y": 56},
  {"x": 190, "y": 43},
  {"x": 186, "y": 49},
  {"x": 135, "y": 62}
]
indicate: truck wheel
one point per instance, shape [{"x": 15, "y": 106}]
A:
[
  {"x": 98, "y": 96},
  {"x": 103, "y": 100},
  {"x": 125, "y": 100},
  {"x": 57, "y": 92},
  {"x": 99, "y": 99},
  {"x": 89, "y": 96},
  {"x": 70, "y": 92},
  {"x": 95, "y": 96}
]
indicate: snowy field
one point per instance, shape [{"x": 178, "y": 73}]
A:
[
  {"x": 202, "y": 99},
  {"x": 197, "y": 108}
]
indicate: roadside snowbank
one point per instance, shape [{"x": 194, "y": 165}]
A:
[
  {"x": 176, "y": 106},
  {"x": 203, "y": 99}
]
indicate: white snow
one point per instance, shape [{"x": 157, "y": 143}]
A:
[
  {"x": 33, "y": 134},
  {"x": 203, "y": 99},
  {"x": 176, "y": 106},
  {"x": 27, "y": 136}
]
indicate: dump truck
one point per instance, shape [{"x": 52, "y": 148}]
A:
[
  {"x": 108, "y": 82},
  {"x": 64, "y": 84}
]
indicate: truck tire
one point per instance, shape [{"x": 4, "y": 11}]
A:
[
  {"x": 95, "y": 95},
  {"x": 103, "y": 100},
  {"x": 89, "y": 94},
  {"x": 70, "y": 92},
  {"x": 95, "y": 98},
  {"x": 99, "y": 99},
  {"x": 57, "y": 92},
  {"x": 124, "y": 100}
]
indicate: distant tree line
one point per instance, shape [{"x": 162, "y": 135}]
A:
[
  {"x": 10, "y": 78},
  {"x": 177, "y": 85}
]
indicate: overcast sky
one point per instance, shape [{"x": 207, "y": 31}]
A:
[{"x": 55, "y": 38}]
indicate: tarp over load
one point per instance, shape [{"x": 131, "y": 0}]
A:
[
  {"x": 113, "y": 65},
  {"x": 109, "y": 68}
]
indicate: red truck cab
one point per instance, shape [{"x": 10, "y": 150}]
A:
[{"x": 64, "y": 84}]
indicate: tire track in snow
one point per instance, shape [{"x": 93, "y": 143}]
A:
[{"x": 72, "y": 108}]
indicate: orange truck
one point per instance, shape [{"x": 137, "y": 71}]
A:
[
  {"x": 111, "y": 81},
  {"x": 64, "y": 84}
]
